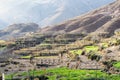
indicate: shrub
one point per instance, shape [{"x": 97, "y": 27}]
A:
[{"x": 117, "y": 32}]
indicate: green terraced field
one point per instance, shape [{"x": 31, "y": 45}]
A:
[
  {"x": 91, "y": 48},
  {"x": 70, "y": 74},
  {"x": 87, "y": 48},
  {"x": 76, "y": 51},
  {"x": 26, "y": 57}
]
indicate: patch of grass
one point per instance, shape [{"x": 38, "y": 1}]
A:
[
  {"x": 117, "y": 65},
  {"x": 105, "y": 45},
  {"x": 46, "y": 57},
  {"x": 91, "y": 48},
  {"x": 114, "y": 41},
  {"x": 26, "y": 57},
  {"x": 76, "y": 51}
]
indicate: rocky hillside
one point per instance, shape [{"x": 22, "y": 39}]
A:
[
  {"x": 18, "y": 30},
  {"x": 45, "y": 12},
  {"x": 104, "y": 19}
]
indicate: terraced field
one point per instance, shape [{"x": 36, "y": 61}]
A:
[
  {"x": 79, "y": 60},
  {"x": 68, "y": 74}
]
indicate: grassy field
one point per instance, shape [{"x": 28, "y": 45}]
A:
[
  {"x": 86, "y": 48},
  {"x": 70, "y": 74},
  {"x": 91, "y": 48}
]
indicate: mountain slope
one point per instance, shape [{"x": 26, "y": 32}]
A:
[
  {"x": 104, "y": 19},
  {"x": 45, "y": 12},
  {"x": 17, "y": 30}
]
